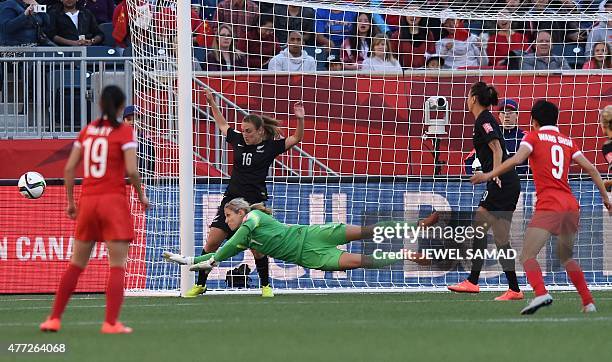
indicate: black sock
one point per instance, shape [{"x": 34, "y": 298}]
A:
[
  {"x": 202, "y": 274},
  {"x": 477, "y": 262},
  {"x": 509, "y": 268},
  {"x": 262, "y": 270}
]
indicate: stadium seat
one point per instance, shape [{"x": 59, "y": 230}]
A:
[
  {"x": 107, "y": 29},
  {"x": 572, "y": 52},
  {"x": 101, "y": 52},
  {"x": 200, "y": 54}
]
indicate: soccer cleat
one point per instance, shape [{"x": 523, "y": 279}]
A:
[
  {"x": 537, "y": 302},
  {"x": 177, "y": 258},
  {"x": 195, "y": 291},
  {"x": 51, "y": 325},
  {"x": 267, "y": 292},
  {"x": 117, "y": 328},
  {"x": 589, "y": 308},
  {"x": 510, "y": 295},
  {"x": 464, "y": 287}
]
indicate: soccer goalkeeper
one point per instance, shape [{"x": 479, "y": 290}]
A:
[{"x": 311, "y": 246}]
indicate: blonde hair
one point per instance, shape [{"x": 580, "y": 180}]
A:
[
  {"x": 381, "y": 38},
  {"x": 240, "y": 203},
  {"x": 606, "y": 117}
]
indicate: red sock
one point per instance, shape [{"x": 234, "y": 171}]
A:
[
  {"x": 65, "y": 289},
  {"x": 534, "y": 276},
  {"x": 114, "y": 294},
  {"x": 577, "y": 277}
]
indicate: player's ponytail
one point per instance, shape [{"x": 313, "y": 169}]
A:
[
  {"x": 270, "y": 125},
  {"x": 112, "y": 101},
  {"x": 261, "y": 207},
  {"x": 485, "y": 94},
  {"x": 606, "y": 117},
  {"x": 239, "y": 203}
]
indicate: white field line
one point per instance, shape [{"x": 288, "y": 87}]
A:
[{"x": 550, "y": 320}]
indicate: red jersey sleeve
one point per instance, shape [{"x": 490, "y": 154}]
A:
[
  {"x": 530, "y": 140},
  {"x": 128, "y": 138},
  {"x": 575, "y": 150},
  {"x": 80, "y": 138}
]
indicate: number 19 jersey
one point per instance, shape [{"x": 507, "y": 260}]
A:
[
  {"x": 551, "y": 155},
  {"x": 102, "y": 149}
]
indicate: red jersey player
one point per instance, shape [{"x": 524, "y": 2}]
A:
[
  {"x": 557, "y": 211},
  {"x": 108, "y": 150}
]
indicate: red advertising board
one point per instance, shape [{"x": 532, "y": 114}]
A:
[{"x": 36, "y": 239}]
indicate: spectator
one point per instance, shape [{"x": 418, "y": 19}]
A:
[
  {"x": 434, "y": 61},
  {"x": 603, "y": 31},
  {"x": 542, "y": 58},
  {"x": 240, "y": 14},
  {"x": 146, "y": 150},
  {"x": 293, "y": 58},
  {"x": 121, "y": 25},
  {"x": 19, "y": 25},
  {"x": 73, "y": 27},
  {"x": 333, "y": 26},
  {"x": 261, "y": 44},
  {"x": 600, "y": 58},
  {"x": 412, "y": 42},
  {"x": 334, "y": 61},
  {"x": 504, "y": 41},
  {"x": 102, "y": 9},
  {"x": 223, "y": 56},
  {"x": 356, "y": 48},
  {"x": 458, "y": 47},
  {"x": 289, "y": 18},
  {"x": 513, "y": 135},
  {"x": 561, "y": 31},
  {"x": 381, "y": 58}
]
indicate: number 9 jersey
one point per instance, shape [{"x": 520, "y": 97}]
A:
[
  {"x": 551, "y": 155},
  {"x": 103, "y": 161}
]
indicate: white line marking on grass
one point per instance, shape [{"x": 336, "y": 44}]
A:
[{"x": 345, "y": 322}]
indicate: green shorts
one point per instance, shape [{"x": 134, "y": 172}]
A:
[{"x": 320, "y": 249}]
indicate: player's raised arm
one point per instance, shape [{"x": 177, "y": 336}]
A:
[
  {"x": 298, "y": 135},
  {"x": 220, "y": 121},
  {"x": 518, "y": 159},
  {"x": 588, "y": 167}
]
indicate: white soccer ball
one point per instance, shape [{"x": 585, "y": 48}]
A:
[{"x": 32, "y": 185}]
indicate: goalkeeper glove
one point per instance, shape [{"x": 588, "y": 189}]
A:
[
  {"x": 177, "y": 258},
  {"x": 206, "y": 265}
]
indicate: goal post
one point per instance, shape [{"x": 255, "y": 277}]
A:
[{"x": 385, "y": 141}]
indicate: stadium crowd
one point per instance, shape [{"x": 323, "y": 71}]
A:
[{"x": 250, "y": 35}]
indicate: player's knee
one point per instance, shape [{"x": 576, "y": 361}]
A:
[
  {"x": 525, "y": 256},
  {"x": 565, "y": 256}
]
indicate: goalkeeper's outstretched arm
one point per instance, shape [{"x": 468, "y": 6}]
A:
[{"x": 236, "y": 244}]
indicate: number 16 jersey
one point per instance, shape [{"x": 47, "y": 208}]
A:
[{"x": 551, "y": 155}]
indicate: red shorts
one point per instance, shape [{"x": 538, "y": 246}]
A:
[
  {"x": 104, "y": 218},
  {"x": 556, "y": 222}
]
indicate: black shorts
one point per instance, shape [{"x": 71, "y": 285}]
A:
[
  {"x": 219, "y": 220},
  {"x": 501, "y": 201}
]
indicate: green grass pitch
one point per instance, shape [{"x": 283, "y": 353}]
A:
[{"x": 336, "y": 327}]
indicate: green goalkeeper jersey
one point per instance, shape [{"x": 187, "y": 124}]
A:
[{"x": 268, "y": 236}]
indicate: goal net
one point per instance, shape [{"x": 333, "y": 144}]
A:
[{"x": 387, "y": 130}]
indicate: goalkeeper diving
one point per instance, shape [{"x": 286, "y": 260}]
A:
[{"x": 310, "y": 246}]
